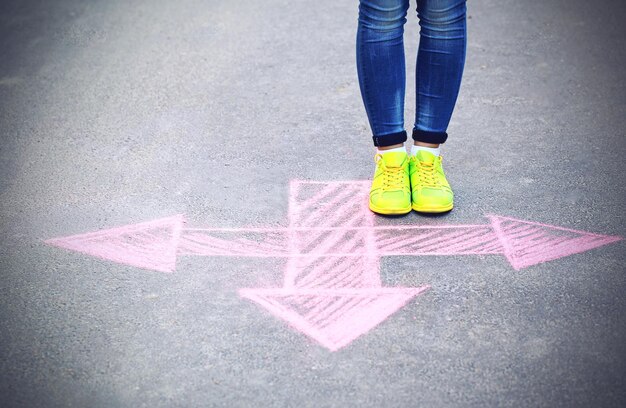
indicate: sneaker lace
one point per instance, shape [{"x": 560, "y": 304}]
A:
[
  {"x": 427, "y": 174},
  {"x": 393, "y": 176}
]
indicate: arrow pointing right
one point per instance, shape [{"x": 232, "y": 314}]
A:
[{"x": 526, "y": 243}]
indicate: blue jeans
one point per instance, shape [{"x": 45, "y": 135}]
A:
[{"x": 382, "y": 73}]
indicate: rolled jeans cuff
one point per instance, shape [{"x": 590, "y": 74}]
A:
[
  {"x": 390, "y": 139},
  {"x": 425, "y": 136}
]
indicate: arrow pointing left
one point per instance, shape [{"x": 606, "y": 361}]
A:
[{"x": 149, "y": 245}]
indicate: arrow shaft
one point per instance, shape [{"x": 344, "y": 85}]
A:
[
  {"x": 326, "y": 219},
  {"x": 328, "y": 242},
  {"x": 347, "y": 228}
]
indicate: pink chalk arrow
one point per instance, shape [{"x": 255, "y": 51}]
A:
[
  {"x": 149, "y": 245},
  {"x": 332, "y": 290},
  {"x": 333, "y": 317}
]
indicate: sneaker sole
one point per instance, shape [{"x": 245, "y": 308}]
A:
[
  {"x": 389, "y": 211},
  {"x": 432, "y": 210}
]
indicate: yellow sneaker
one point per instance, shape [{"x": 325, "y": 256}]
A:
[
  {"x": 430, "y": 191},
  {"x": 391, "y": 188}
]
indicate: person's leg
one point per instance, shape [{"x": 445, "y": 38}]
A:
[
  {"x": 382, "y": 77},
  {"x": 381, "y": 67},
  {"x": 439, "y": 69}
]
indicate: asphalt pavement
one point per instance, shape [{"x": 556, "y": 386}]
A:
[{"x": 121, "y": 112}]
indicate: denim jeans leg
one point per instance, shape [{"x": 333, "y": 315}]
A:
[
  {"x": 439, "y": 69},
  {"x": 381, "y": 67}
]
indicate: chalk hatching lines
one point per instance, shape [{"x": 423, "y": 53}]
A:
[
  {"x": 333, "y": 294},
  {"x": 332, "y": 290}
]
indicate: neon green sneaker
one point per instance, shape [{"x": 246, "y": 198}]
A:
[
  {"x": 391, "y": 188},
  {"x": 430, "y": 191}
]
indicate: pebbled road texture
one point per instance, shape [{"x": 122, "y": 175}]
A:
[{"x": 114, "y": 112}]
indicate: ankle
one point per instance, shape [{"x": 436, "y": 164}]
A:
[
  {"x": 434, "y": 149},
  {"x": 391, "y": 149},
  {"x": 424, "y": 144}
]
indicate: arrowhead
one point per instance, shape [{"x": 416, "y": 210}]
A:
[
  {"x": 333, "y": 317},
  {"x": 148, "y": 245},
  {"x": 528, "y": 243}
]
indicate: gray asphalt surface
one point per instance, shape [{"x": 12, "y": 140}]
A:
[{"x": 116, "y": 112}]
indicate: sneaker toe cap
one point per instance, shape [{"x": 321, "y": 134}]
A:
[
  {"x": 390, "y": 199},
  {"x": 433, "y": 197}
]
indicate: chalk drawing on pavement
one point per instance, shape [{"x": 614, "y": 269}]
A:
[{"x": 331, "y": 289}]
